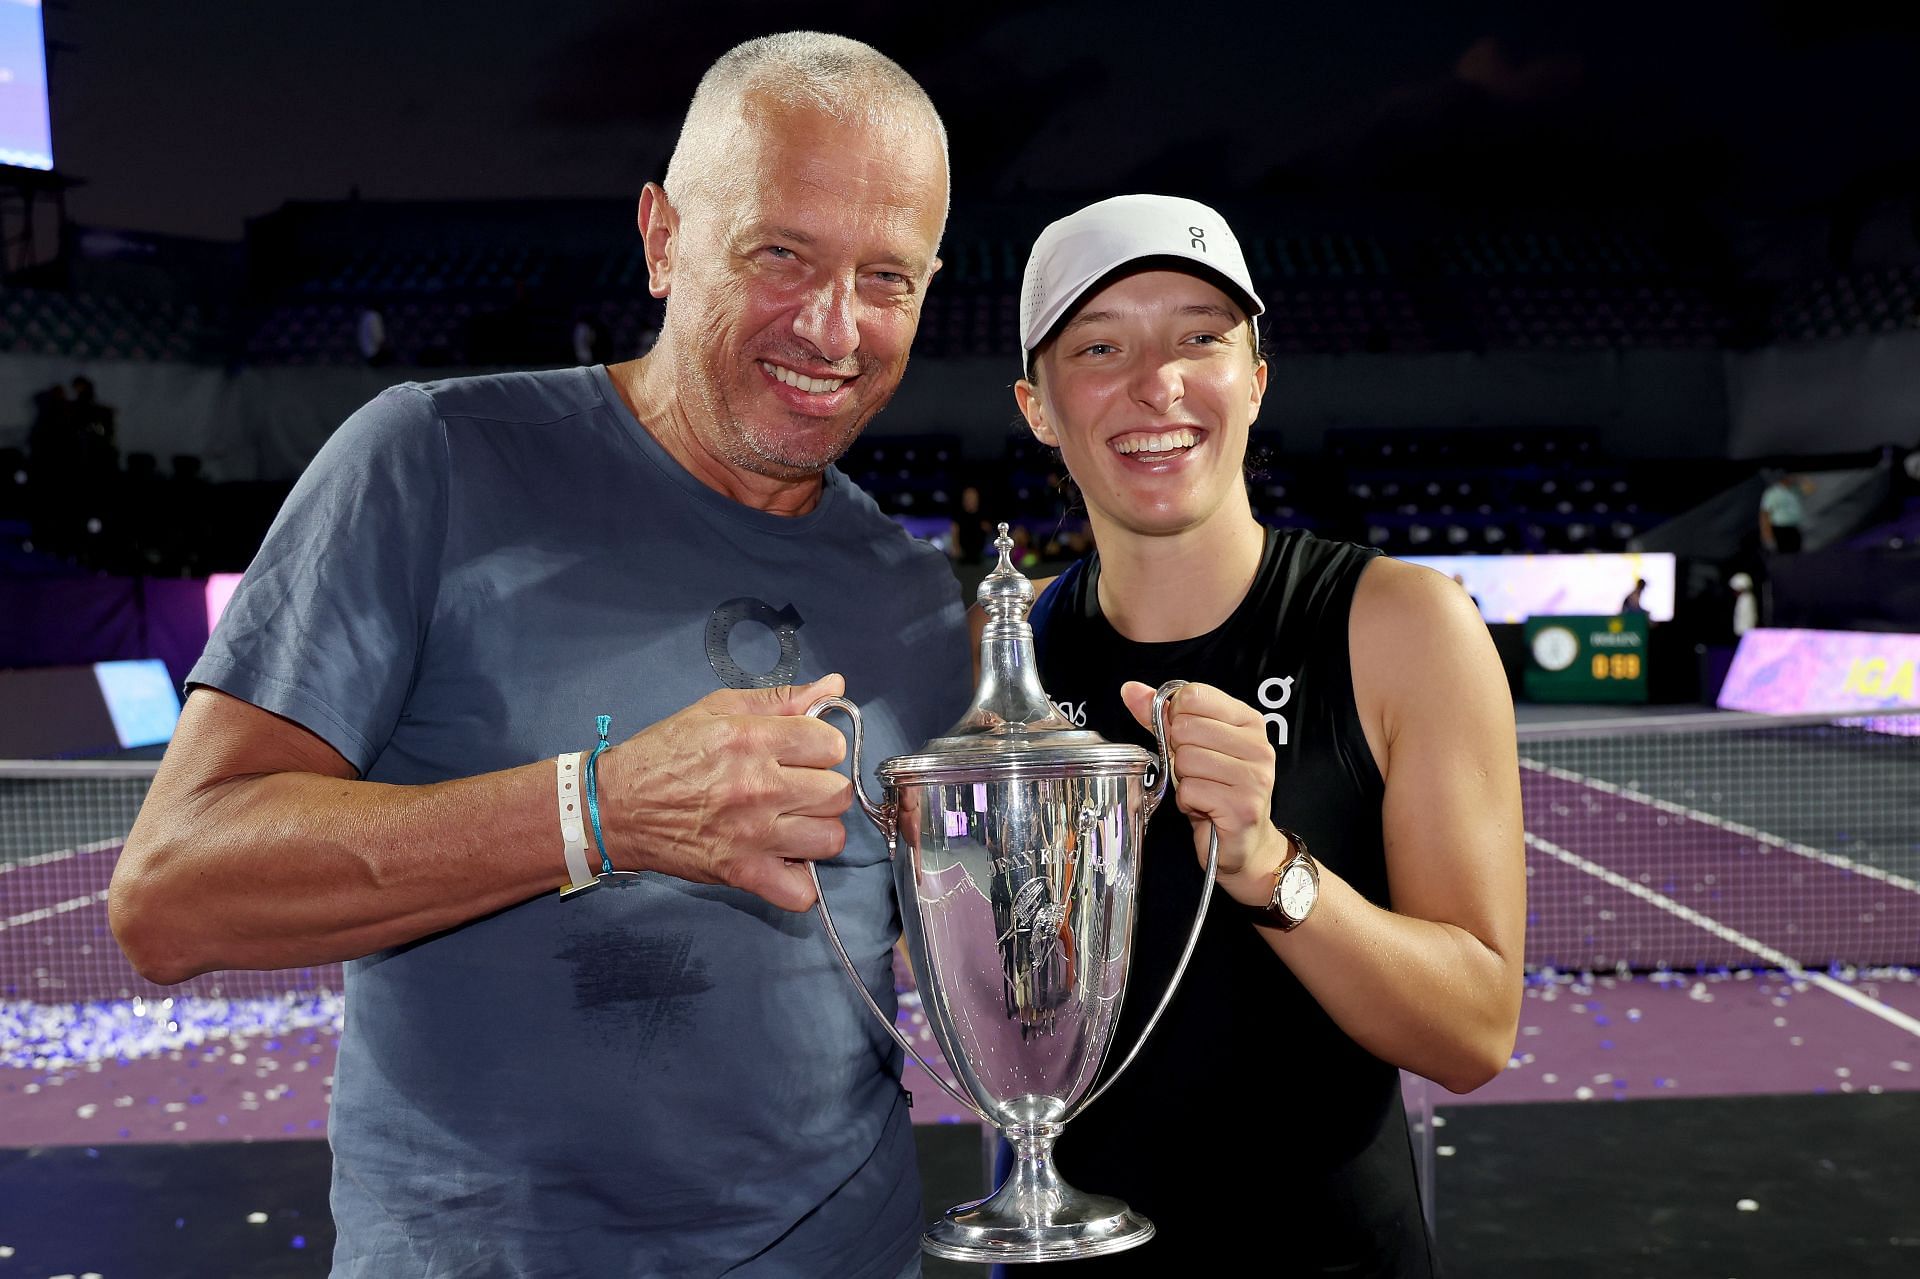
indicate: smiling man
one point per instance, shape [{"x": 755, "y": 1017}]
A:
[{"x": 407, "y": 736}]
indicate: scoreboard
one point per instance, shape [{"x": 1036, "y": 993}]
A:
[{"x": 1579, "y": 658}]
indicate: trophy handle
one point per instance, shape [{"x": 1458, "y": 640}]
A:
[
  {"x": 879, "y": 815},
  {"x": 1156, "y": 793},
  {"x": 1163, "y": 762},
  {"x": 883, "y": 817}
]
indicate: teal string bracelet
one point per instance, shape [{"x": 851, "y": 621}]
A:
[{"x": 601, "y": 724}]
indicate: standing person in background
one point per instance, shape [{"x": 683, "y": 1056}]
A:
[
  {"x": 1632, "y": 603},
  {"x": 1746, "y": 606},
  {"x": 970, "y": 531},
  {"x": 389, "y": 753},
  {"x": 1348, "y": 735},
  {"x": 1782, "y": 513}
]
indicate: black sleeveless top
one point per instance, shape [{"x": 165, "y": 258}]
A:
[{"x": 1251, "y": 1129}]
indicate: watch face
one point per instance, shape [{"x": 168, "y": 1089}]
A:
[
  {"x": 1555, "y": 647},
  {"x": 1297, "y": 891}
]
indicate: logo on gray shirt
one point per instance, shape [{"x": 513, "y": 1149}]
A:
[{"x": 785, "y": 624}]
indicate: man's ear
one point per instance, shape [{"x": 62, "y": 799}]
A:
[
  {"x": 1034, "y": 409},
  {"x": 659, "y": 228}
]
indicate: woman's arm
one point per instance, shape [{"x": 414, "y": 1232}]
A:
[{"x": 1434, "y": 984}]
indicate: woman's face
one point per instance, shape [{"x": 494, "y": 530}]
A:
[{"x": 1148, "y": 392}]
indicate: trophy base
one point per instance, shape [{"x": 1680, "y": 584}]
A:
[{"x": 1026, "y": 1222}]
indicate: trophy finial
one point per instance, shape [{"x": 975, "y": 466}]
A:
[
  {"x": 1005, "y": 592},
  {"x": 1009, "y": 697}
]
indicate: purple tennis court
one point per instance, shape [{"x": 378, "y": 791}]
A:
[{"x": 1713, "y": 916}]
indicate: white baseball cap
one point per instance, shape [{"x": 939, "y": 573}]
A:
[{"x": 1084, "y": 248}]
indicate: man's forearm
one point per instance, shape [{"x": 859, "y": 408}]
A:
[{"x": 293, "y": 869}]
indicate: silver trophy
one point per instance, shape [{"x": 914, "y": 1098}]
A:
[{"x": 1015, "y": 842}]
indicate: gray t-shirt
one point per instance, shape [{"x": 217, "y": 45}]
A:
[{"x": 668, "y": 1078}]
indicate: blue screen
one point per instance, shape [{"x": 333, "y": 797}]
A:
[
  {"x": 26, "y": 136},
  {"x": 141, "y": 699}
]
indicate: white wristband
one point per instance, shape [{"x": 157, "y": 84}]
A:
[{"x": 573, "y": 831}]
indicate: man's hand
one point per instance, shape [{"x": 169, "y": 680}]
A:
[
  {"x": 1223, "y": 764},
  {"x": 739, "y": 788}
]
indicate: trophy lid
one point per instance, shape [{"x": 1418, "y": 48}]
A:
[{"x": 1012, "y": 729}]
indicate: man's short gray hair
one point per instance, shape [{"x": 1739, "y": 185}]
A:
[{"x": 839, "y": 77}]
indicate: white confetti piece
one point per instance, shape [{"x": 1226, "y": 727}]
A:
[
  {"x": 1549, "y": 1079},
  {"x": 1583, "y": 1093},
  {"x": 1747, "y": 1205},
  {"x": 1445, "y": 1152},
  {"x": 1843, "y": 1072},
  {"x": 6, "y": 1250},
  {"x": 87, "y": 1111},
  {"x": 256, "y": 1219}
]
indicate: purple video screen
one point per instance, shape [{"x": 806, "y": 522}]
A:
[
  {"x": 1796, "y": 672},
  {"x": 1512, "y": 588},
  {"x": 26, "y": 133}
]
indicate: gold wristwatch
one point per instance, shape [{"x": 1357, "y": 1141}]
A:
[{"x": 1296, "y": 887}]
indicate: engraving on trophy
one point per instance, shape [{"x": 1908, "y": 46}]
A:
[{"x": 1038, "y": 915}]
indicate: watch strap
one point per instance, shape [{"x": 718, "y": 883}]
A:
[{"x": 1272, "y": 915}]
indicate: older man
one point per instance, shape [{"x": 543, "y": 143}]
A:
[{"x": 388, "y": 756}]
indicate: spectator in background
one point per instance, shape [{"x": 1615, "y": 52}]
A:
[
  {"x": 1633, "y": 603},
  {"x": 971, "y": 528},
  {"x": 591, "y": 345},
  {"x": 1746, "y": 605},
  {"x": 1782, "y": 513},
  {"x": 370, "y": 337},
  {"x": 93, "y": 430},
  {"x": 50, "y": 439}
]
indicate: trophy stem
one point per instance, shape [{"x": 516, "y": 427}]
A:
[{"x": 1035, "y": 1215}]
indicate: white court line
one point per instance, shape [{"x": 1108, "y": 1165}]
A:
[
  {"x": 62, "y": 854},
  {"x": 1754, "y": 947},
  {"x": 58, "y": 908},
  {"x": 1808, "y": 851}
]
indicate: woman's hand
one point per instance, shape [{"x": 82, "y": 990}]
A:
[{"x": 1223, "y": 774}]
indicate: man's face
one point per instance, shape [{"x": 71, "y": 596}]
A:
[
  {"x": 1148, "y": 392},
  {"x": 796, "y": 280}
]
